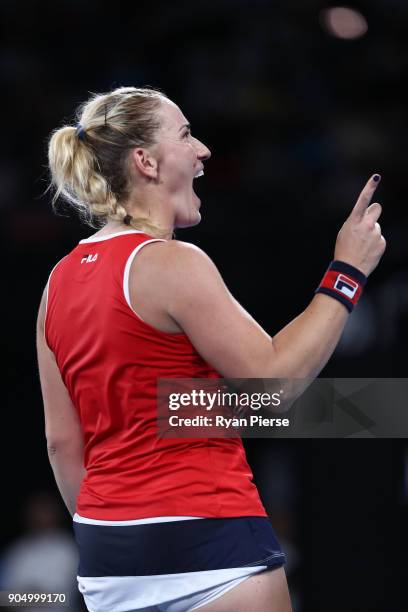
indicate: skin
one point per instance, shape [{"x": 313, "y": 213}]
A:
[
  {"x": 175, "y": 287},
  {"x": 163, "y": 176}
]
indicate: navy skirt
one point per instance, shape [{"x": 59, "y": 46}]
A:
[{"x": 176, "y": 547}]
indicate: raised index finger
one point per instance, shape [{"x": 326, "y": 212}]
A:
[{"x": 365, "y": 196}]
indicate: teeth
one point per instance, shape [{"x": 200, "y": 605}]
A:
[{"x": 199, "y": 173}]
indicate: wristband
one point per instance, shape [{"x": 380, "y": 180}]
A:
[{"x": 343, "y": 282}]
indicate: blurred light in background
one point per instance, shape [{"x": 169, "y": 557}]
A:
[{"x": 343, "y": 22}]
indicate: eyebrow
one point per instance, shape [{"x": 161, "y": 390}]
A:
[{"x": 186, "y": 125}]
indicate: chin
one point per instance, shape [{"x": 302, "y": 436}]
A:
[{"x": 191, "y": 221}]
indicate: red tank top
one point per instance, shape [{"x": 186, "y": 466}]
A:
[{"x": 109, "y": 359}]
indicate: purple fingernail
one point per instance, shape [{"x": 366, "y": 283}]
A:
[{"x": 376, "y": 177}]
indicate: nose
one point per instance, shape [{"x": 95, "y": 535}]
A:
[{"x": 203, "y": 152}]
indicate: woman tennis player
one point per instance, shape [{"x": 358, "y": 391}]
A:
[{"x": 164, "y": 524}]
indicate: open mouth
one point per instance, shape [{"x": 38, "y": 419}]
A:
[{"x": 199, "y": 173}]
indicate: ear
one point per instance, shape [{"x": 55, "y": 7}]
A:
[{"x": 144, "y": 162}]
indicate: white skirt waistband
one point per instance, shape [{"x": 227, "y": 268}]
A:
[{"x": 154, "y": 519}]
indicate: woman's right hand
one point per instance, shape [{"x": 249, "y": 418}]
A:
[{"x": 360, "y": 242}]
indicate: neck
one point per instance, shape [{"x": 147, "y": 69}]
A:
[{"x": 154, "y": 207}]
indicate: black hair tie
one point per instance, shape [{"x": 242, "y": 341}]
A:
[{"x": 127, "y": 219}]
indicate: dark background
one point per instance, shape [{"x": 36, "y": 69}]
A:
[{"x": 297, "y": 119}]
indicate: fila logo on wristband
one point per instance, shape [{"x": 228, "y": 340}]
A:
[
  {"x": 343, "y": 282},
  {"x": 346, "y": 286}
]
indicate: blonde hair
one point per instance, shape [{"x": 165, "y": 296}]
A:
[{"x": 89, "y": 162}]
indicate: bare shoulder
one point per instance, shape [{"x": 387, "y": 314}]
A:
[
  {"x": 167, "y": 274},
  {"x": 168, "y": 260},
  {"x": 178, "y": 251}
]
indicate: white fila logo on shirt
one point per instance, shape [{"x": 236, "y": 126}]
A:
[
  {"x": 89, "y": 258},
  {"x": 346, "y": 285}
]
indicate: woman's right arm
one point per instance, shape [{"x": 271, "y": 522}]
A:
[
  {"x": 226, "y": 336},
  {"x": 63, "y": 430}
]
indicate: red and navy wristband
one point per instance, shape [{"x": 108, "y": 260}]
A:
[{"x": 343, "y": 282}]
